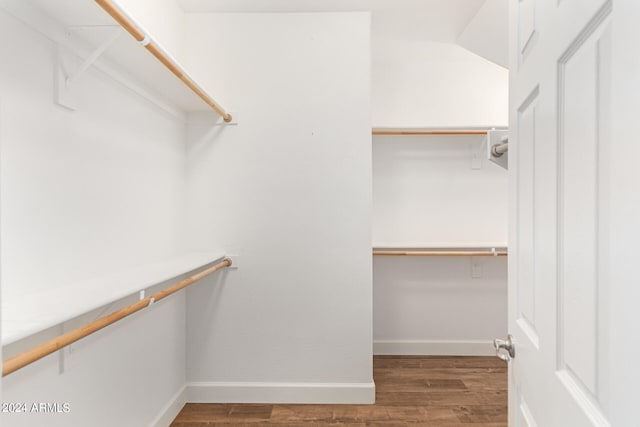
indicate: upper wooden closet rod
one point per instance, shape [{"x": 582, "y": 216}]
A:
[
  {"x": 436, "y": 253},
  {"x": 162, "y": 56},
  {"x": 429, "y": 131},
  {"x": 23, "y": 359}
]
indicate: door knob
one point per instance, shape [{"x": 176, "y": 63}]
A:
[{"x": 505, "y": 345}]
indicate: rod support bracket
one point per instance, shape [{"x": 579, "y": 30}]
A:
[
  {"x": 235, "y": 261},
  {"x": 496, "y": 138},
  {"x": 233, "y": 120}
]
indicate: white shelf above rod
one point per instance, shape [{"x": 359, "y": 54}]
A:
[
  {"x": 441, "y": 252},
  {"x": 392, "y": 131},
  {"x": 36, "y": 353},
  {"x": 26, "y": 314},
  {"x": 161, "y": 55}
]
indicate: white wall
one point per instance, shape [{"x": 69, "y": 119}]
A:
[
  {"x": 86, "y": 193},
  {"x": 425, "y": 193},
  {"x": 434, "y": 306},
  {"x": 130, "y": 374},
  {"x": 289, "y": 188},
  {"x": 419, "y": 83}
]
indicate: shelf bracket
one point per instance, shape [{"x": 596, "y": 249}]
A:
[
  {"x": 64, "y": 78},
  {"x": 89, "y": 60}
]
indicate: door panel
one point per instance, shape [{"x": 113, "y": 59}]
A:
[
  {"x": 526, "y": 295},
  {"x": 525, "y": 418},
  {"x": 526, "y": 27},
  {"x": 560, "y": 111},
  {"x": 580, "y": 90}
]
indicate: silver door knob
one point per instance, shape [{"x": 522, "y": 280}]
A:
[{"x": 505, "y": 345}]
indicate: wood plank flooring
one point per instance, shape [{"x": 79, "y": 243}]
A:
[{"x": 410, "y": 391}]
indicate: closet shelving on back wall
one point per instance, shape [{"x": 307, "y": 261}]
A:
[
  {"x": 472, "y": 139},
  {"x": 439, "y": 242}
]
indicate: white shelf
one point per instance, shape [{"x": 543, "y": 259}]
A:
[
  {"x": 82, "y": 23},
  {"x": 441, "y": 245},
  {"x": 26, "y": 314},
  {"x": 437, "y": 130}
]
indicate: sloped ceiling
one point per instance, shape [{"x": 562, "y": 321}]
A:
[{"x": 487, "y": 33}]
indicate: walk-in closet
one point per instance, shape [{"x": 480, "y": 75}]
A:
[{"x": 303, "y": 212}]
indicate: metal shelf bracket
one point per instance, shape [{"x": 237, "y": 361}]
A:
[{"x": 64, "y": 78}]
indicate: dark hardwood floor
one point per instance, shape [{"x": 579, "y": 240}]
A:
[{"x": 410, "y": 391}]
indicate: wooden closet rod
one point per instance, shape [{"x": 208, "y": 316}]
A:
[
  {"x": 429, "y": 131},
  {"x": 125, "y": 22},
  {"x": 23, "y": 359},
  {"x": 437, "y": 253}
]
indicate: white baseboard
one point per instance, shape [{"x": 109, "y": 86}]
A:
[
  {"x": 434, "y": 348},
  {"x": 319, "y": 393},
  {"x": 171, "y": 410}
]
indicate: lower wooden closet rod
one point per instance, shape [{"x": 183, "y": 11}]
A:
[
  {"x": 377, "y": 252},
  {"x": 23, "y": 359}
]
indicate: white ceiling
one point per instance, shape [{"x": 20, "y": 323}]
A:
[{"x": 433, "y": 20}]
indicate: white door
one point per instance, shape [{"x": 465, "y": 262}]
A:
[{"x": 573, "y": 182}]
